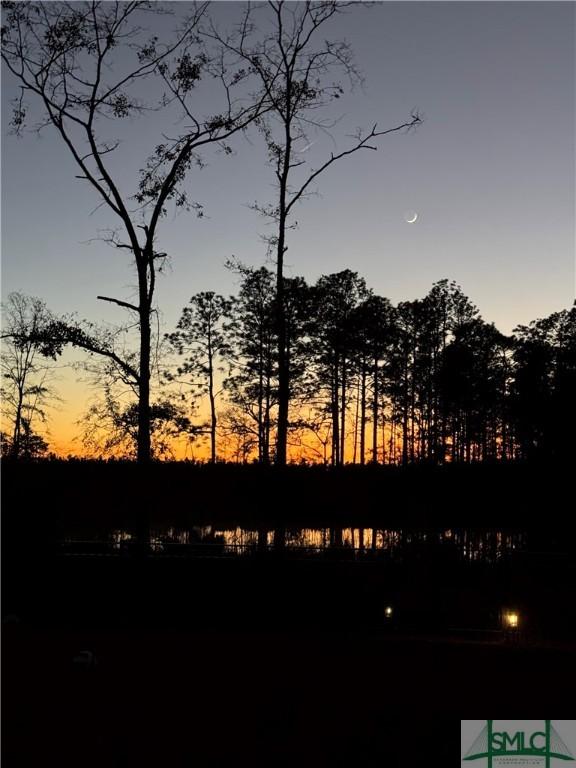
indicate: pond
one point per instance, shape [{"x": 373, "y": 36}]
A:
[{"x": 336, "y": 542}]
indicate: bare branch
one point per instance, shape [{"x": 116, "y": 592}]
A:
[
  {"x": 119, "y": 302},
  {"x": 361, "y": 144}
]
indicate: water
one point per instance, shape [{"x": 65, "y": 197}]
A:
[
  {"x": 456, "y": 578},
  {"x": 348, "y": 543}
]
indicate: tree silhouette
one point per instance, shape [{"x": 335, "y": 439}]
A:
[
  {"x": 543, "y": 386},
  {"x": 27, "y": 391},
  {"x": 297, "y": 68},
  {"x": 438, "y": 383},
  {"x": 86, "y": 66},
  {"x": 252, "y": 386},
  {"x": 337, "y": 298},
  {"x": 472, "y": 382},
  {"x": 374, "y": 331},
  {"x": 201, "y": 337},
  {"x": 111, "y": 428}
]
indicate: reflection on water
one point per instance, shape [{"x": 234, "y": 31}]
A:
[
  {"x": 119, "y": 538},
  {"x": 350, "y": 543}
]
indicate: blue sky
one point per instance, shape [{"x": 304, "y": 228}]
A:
[{"x": 490, "y": 173}]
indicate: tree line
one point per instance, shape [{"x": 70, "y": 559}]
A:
[
  {"x": 84, "y": 67},
  {"x": 330, "y": 372},
  {"x": 424, "y": 381}
]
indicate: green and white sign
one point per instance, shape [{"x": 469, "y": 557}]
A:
[{"x": 518, "y": 743}]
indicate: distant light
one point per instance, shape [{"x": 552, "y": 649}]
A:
[
  {"x": 511, "y": 620},
  {"x": 388, "y": 611},
  {"x": 410, "y": 217}
]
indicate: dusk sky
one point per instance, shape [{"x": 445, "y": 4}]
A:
[{"x": 490, "y": 173}]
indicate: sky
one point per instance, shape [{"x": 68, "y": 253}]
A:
[{"x": 490, "y": 173}]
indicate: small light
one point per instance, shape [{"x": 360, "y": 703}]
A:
[
  {"x": 388, "y": 611},
  {"x": 511, "y": 620}
]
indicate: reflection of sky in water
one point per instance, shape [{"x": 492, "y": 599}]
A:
[{"x": 466, "y": 544}]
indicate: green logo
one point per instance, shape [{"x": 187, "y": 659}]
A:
[{"x": 545, "y": 745}]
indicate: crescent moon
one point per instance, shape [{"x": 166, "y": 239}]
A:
[{"x": 410, "y": 217}]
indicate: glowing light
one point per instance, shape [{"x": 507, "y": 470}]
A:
[
  {"x": 511, "y": 620},
  {"x": 410, "y": 217},
  {"x": 388, "y": 611}
]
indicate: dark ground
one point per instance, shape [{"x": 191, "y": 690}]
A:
[
  {"x": 46, "y": 498},
  {"x": 260, "y": 698},
  {"x": 272, "y": 662}
]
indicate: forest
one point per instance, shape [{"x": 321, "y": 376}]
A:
[
  {"x": 425, "y": 381},
  {"x": 250, "y": 412},
  {"x": 285, "y": 370}
]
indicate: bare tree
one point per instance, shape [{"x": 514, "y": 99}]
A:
[
  {"x": 27, "y": 374},
  {"x": 88, "y": 64},
  {"x": 110, "y": 427},
  {"x": 296, "y": 66}
]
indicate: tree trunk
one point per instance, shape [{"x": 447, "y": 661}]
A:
[
  {"x": 262, "y": 538},
  {"x": 335, "y": 427},
  {"x": 356, "y": 416},
  {"x": 336, "y": 537},
  {"x": 412, "y": 409},
  {"x": 383, "y": 433},
  {"x": 144, "y": 453},
  {"x": 279, "y": 537},
  {"x": 405, "y": 417},
  {"x": 17, "y": 425},
  {"x": 343, "y": 412},
  {"x": 283, "y": 388},
  {"x": 267, "y": 406},
  {"x": 283, "y": 372},
  {"x": 363, "y": 414},
  {"x": 261, "y": 423},
  {"x": 212, "y": 408},
  {"x": 375, "y": 414},
  {"x": 144, "y": 449}
]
